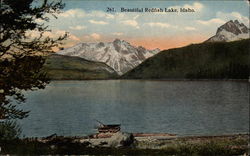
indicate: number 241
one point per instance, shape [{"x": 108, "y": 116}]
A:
[{"x": 110, "y": 9}]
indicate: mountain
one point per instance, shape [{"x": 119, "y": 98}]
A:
[
  {"x": 119, "y": 54},
  {"x": 60, "y": 67},
  {"x": 230, "y": 31},
  {"x": 209, "y": 60}
]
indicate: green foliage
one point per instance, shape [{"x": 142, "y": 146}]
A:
[
  {"x": 69, "y": 146},
  {"x": 17, "y": 75},
  {"x": 60, "y": 67},
  {"x": 218, "y": 60},
  {"x": 20, "y": 54},
  {"x": 9, "y": 130}
]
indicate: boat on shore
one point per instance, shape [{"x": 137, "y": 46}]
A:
[{"x": 103, "y": 128}]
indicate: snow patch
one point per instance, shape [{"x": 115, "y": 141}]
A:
[{"x": 119, "y": 54}]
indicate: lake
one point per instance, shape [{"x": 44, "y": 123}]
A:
[{"x": 180, "y": 107}]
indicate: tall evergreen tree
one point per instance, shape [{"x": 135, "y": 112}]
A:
[{"x": 21, "y": 55}]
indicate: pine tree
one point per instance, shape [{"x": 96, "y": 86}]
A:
[{"x": 22, "y": 56}]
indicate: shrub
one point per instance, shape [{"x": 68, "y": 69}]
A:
[{"x": 9, "y": 130}]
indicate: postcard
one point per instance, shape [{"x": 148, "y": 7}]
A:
[{"x": 166, "y": 77}]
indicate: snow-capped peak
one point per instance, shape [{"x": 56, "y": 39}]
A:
[
  {"x": 230, "y": 31},
  {"x": 119, "y": 54}
]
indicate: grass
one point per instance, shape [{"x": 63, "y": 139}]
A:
[{"x": 207, "y": 147}]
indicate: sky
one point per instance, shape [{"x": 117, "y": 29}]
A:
[{"x": 89, "y": 21}]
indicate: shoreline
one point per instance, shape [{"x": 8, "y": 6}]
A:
[
  {"x": 198, "y": 80},
  {"x": 157, "y": 136},
  {"x": 138, "y": 135},
  {"x": 223, "y": 145}
]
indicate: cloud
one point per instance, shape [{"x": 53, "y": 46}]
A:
[
  {"x": 117, "y": 33},
  {"x": 121, "y": 16},
  {"x": 39, "y": 20},
  {"x": 158, "y": 24},
  {"x": 222, "y": 18},
  {"x": 98, "y": 22},
  {"x": 196, "y": 6},
  {"x": 73, "y": 13},
  {"x": 132, "y": 23},
  {"x": 81, "y": 13},
  {"x": 95, "y": 36},
  {"x": 92, "y": 36},
  {"x": 190, "y": 28},
  {"x": 134, "y": 18},
  {"x": 247, "y": 1},
  {"x": 101, "y": 14},
  {"x": 73, "y": 37},
  {"x": 53, "y": 34},
  {"x": 77, "y": 27},
  {"x": 58, "y": 33},
  {"x": 211, "y": 21},
  {"x": 233, "y": 16}
]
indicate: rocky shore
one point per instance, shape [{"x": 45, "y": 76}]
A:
[{"x": 131, "y": 144}]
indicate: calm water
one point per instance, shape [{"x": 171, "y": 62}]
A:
[{"x": 180, "y": 107}]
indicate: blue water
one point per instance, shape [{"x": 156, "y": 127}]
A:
[{"x": 179, "y": 107}]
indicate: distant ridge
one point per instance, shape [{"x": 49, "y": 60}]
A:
[
  {"x": 216, "y": 60},
  {"x": 60, "y": 67}
]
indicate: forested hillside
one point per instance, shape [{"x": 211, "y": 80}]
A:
[{"x": 217, "y": 60}]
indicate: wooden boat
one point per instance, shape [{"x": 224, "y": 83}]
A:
[{"x": 108, "y": 128}]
